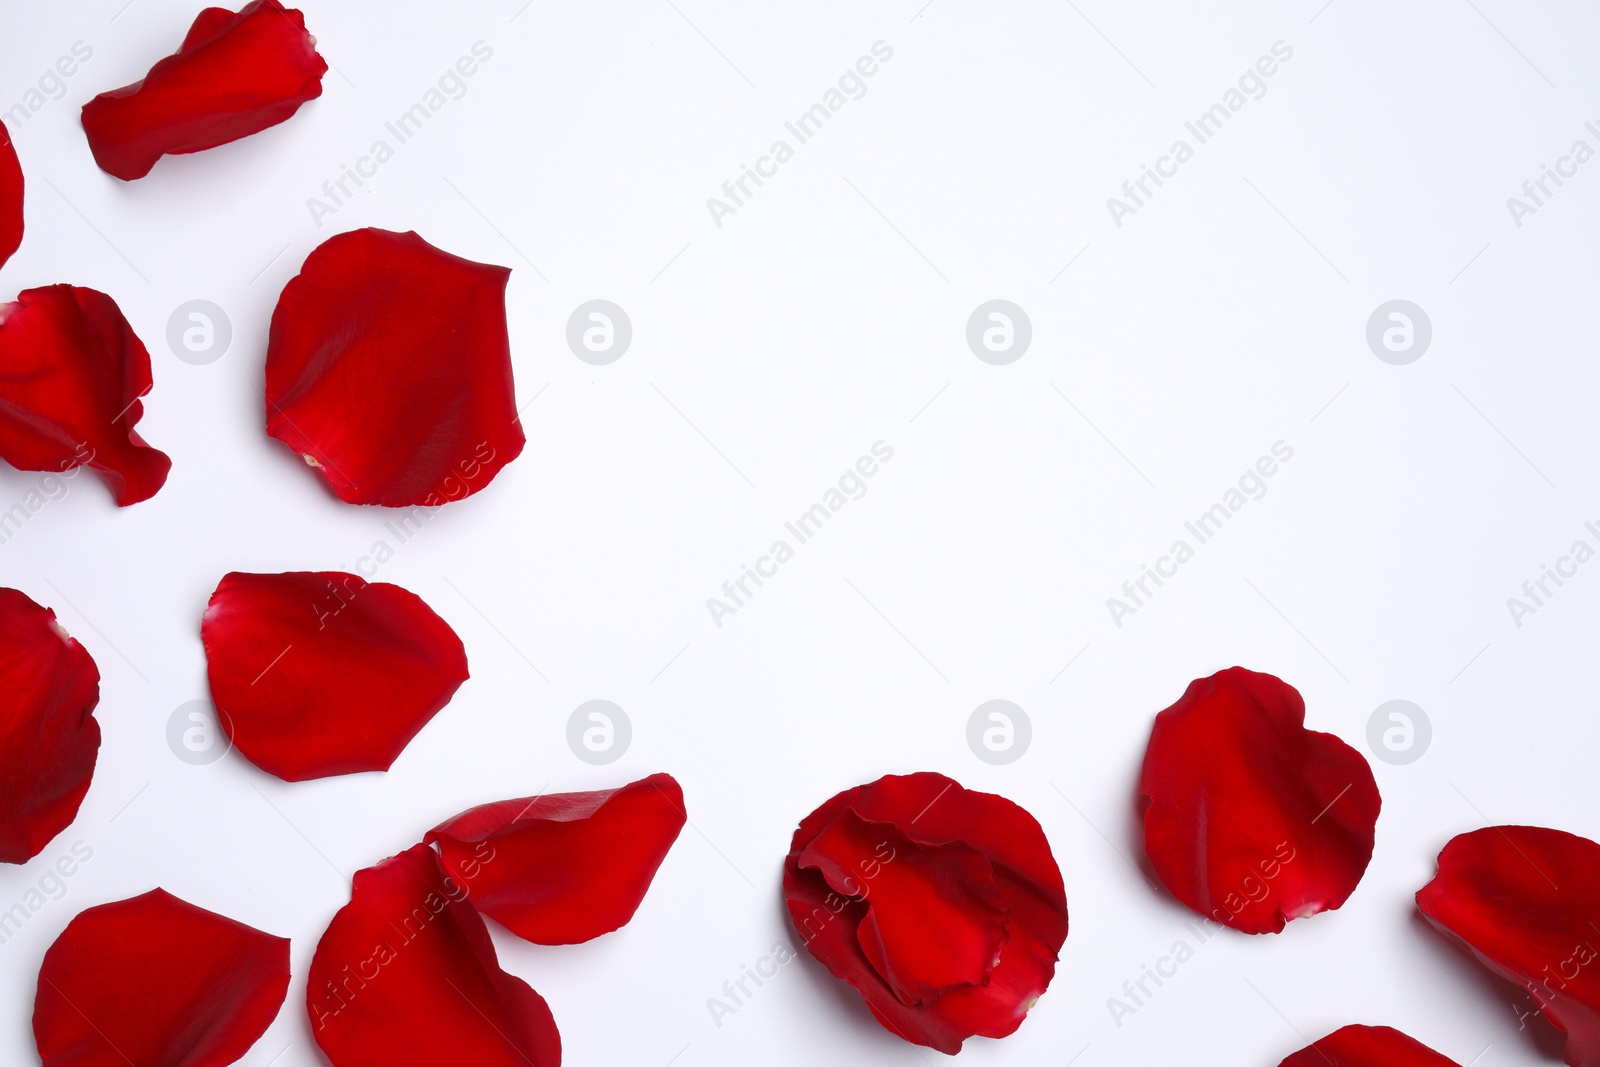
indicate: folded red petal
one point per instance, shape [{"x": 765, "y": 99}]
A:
[
  {"x": 562, "y": 869},
  {"x": 1526, "y": 902},
  {"x": 943, "y": 907},
  {"x": 10, "y": 197},
  {"x": 320, "y": 673},
  {"x": 235, "y": 75},
  {"x": 389, "y": 369},
  {"x": 49, "y": 739},
  {"x": 71, "y": 375},
  {"x": 1368, "y": 1046},
  {"x": 1251, "y": 819},
  {"x": 156, "y": 980},
  {"x": 406, "y": 976}
]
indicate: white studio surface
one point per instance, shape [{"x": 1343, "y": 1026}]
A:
[{"x": 772, "y": 346}]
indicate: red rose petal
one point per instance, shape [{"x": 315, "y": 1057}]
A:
[
  {"x": 389, "y": 369},
  {"x": 10, "y": 197},
  {"x": 406, "y": 976},
  {"x": 1250, "y": 818},
  {"x": 156, "y": 980},
  {"x": 319, "y": 673},
  {"x": 1526, "y": 901},
  {"x": 1368, "y": 1046},
  {"x": 235, "y": 75},
  {"x": 49, "y": 739},
  {"x": 562, "y": 869},
  {"x": 71, "y": 375},
  {"x": 887, "y": 931}
]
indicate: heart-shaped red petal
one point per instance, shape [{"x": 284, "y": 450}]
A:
[
  {"x": 1251, "y": 819},
  {"x": 1368, "y": 1046},
  {"x": 901, "y": 936},
  {"x": 389, "y": 370},
  {"x": 1526, "y": 901},
  {"x": 49, "y": 739},
  {"x": 71, "y": 375},
  {"x": 406, "y": 976},
  {"x": 320, "y": 673},
  {"x": 156, "y": 980},
  {"x": 235, "y": 75},
  {"x": 10, "y": 197},
  {"x": 562, "y": 869}
]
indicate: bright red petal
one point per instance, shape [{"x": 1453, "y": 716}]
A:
[
  {"x": 406, "y": 976},
  {"x": 1250, "y": 818},
  {"x": 1526, "y": 901},
  {"x": 71, "y": 375},
  {"x": 49, "y": 687},
  {"x": 558, "y": 870},
  {"x": 389, "y": 369},
  {"x": 320, "y": 673},
  {"x": 10, "y": 197},
  {"x": 893, "y": 899},
  {"x": 1368, "y": 1046},
  {"x": 235, "y": 75},
  {"x": 156, "y": 980}
]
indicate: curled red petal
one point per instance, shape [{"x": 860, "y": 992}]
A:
[
  {"x": 1368, "y": 1046},
  {"x": 156, "y": 980},
  {"x": 71, "y": 375},
  {"x": 1250, "y": 818},
  {"x": 1525, "y": 901},
  {"x": 320, "y": 673},
  {"x": 49, "y": 686},
  {"x": 235, "y": 75},
  {"x": 562, "y": 869},
  {"x": 943, "y": 907},
  {"x": 406, "y": 976},
  {"x": 389, "y": 369},
  {"x": 10, "y": 197}
]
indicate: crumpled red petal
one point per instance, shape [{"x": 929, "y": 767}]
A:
[
  {"x": 406, "y": 976},
  {"x": 10, "y": 197},
  {"x": 562, "y": 869},
  {"x": 235, "y": 75},
  {"x": 320, "y": 673},
  {"x": 1525, "y": 901},
  {"x": 1368, "y": 1046},
  {"x": 389, "y": 369},
  {"x": 942, "y": 906},
  {"x": 1251, "y": 819},
  {"x": 49, "y": 739},
  {"x": 156, "y": 980},
  {"x": 71, "y": 375}
]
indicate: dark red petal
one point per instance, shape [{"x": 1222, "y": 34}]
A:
[
  {"x": 71, "y": 375},
  {"x": 934, "y": 827},
  {"x": 235, "y": 75},
  {"x": 10, "y": 197},
  {"x": 389, "y": 368},
  {"x": 156, "y": 980},
  {"x": 406, "y": 976},
  {"x": 49, "y": 739},
  {"x": 1368, "y": 1046},
  {"x": 1526, "y": 901},
  {"x": 558, "y": 870},
  {"x": 319, "y": 673},
  {"x": 1250, "y": 818}
]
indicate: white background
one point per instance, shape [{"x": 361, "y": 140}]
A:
[{"x": 827, "y": 314}]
